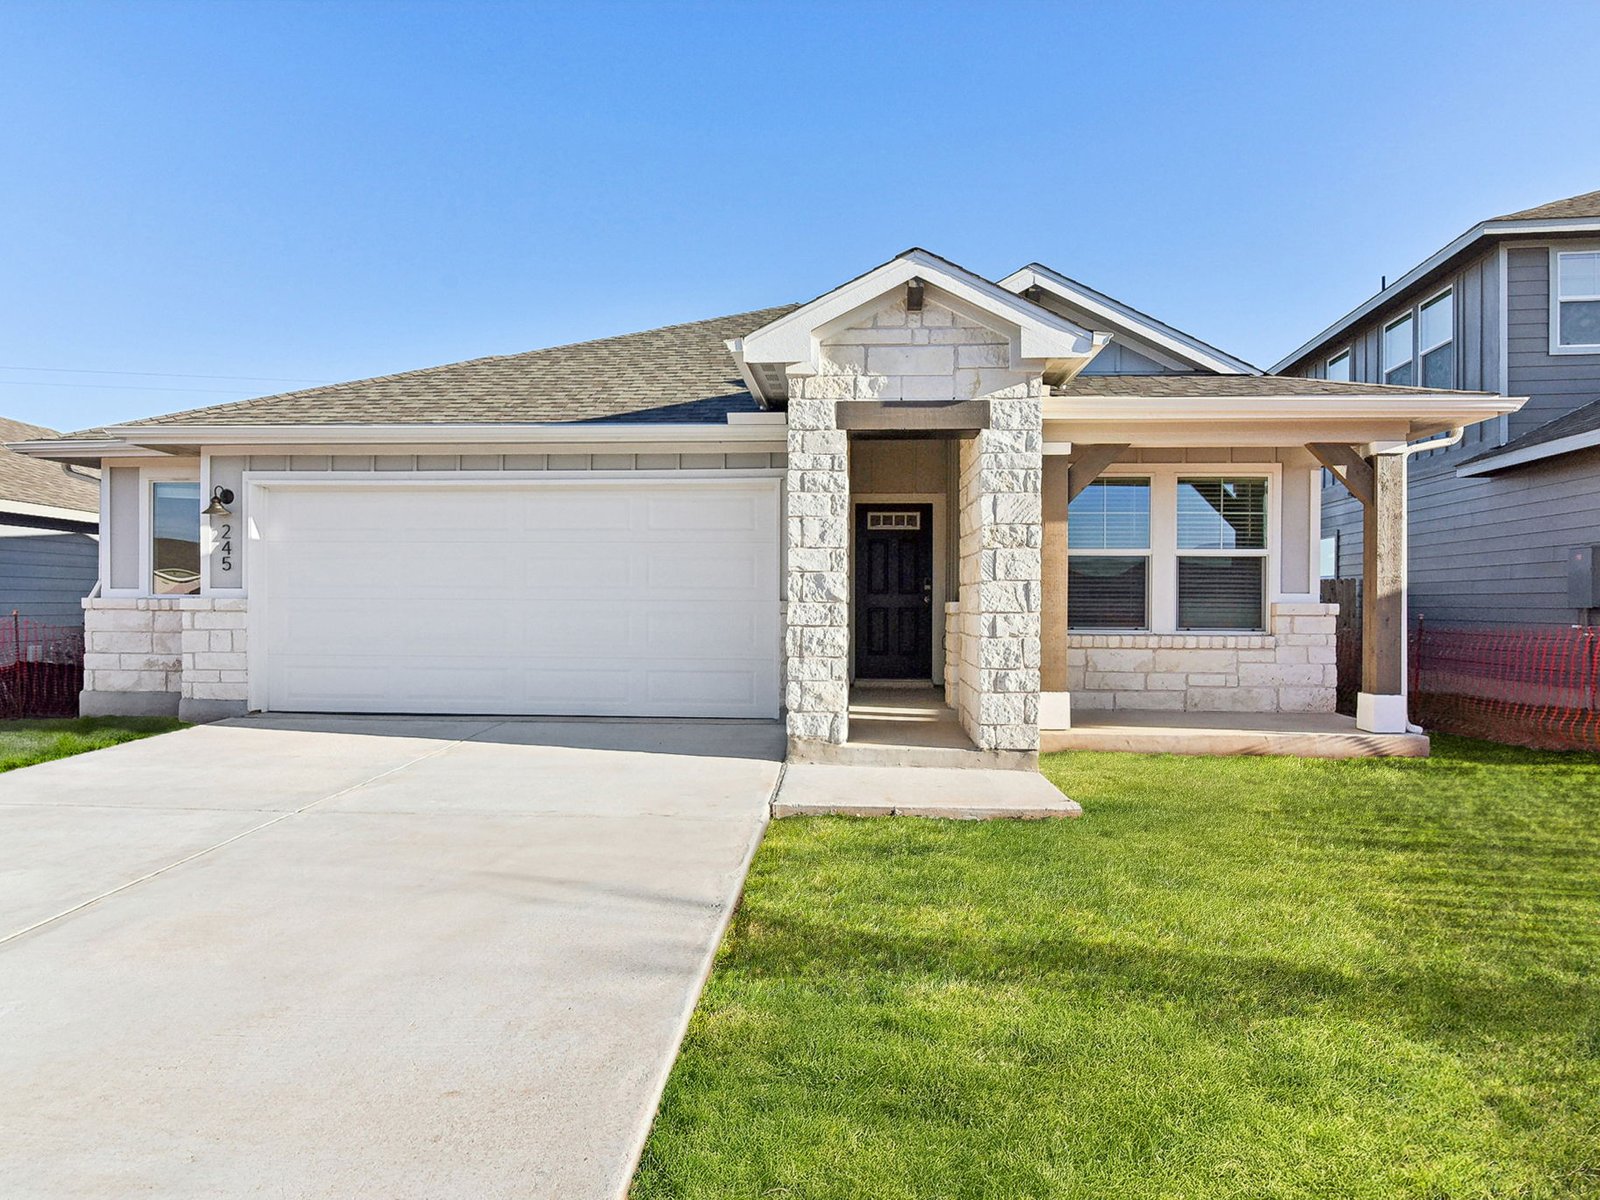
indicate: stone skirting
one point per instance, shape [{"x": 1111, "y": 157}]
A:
[
  {"x": 1289, "y": 670},
  {"x": 164, "y": 654}
]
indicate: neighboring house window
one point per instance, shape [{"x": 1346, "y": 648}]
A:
[
  {"x": 1108, "y": 556},
  {"x": 175, "y": 539},
  {"x": 1222, "y": 553},
  {"x": 1578, "y": 298},
  {"x": 1436, "y": 334},
  {"x": 1330, "y": 556},
  {"x": 1399, "y": 352},
  {"x": 1338, "y": 368}
]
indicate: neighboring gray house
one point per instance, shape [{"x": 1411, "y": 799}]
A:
[
  {"x": 1511, "y": 306},
  {"x": 49, "y": 515},
  {"x": 756, "y": 514}
]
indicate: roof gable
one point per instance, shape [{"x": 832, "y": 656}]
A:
[
  {"x": 1154, "y": 339},
  {"x": 793, "y": 342}
]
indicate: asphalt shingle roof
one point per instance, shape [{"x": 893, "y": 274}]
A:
[
  {"x": 31, "y": 481},
  {"x": 1202, "y": 386},
  {"x": 1585, "y": 419},
  {"x": 677, "y": 374},
  {"x": 1586, "y": 205}
]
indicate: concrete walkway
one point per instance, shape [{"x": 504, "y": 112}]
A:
[{"x": 361, "y": 957}]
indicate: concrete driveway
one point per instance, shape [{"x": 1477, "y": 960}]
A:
[{"x": 361, "y": 957}]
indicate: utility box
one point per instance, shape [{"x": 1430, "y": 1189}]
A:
[{"x": 1583, "y": 577}]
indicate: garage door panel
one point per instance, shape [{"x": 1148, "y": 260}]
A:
[{"x": 648, "y": 601}]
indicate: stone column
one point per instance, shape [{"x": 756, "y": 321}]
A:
[
  {"x": 1001, "y": 540},
  {"x": 817, "y": 494}
]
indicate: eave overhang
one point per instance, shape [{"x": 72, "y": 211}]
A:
[{"x": 1265, "y": 420}]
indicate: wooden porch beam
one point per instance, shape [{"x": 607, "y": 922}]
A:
[
  {"x": 1346, "y": 462},
  {"x": 1085, "y": 463},
  {"x": 1053, "y": 577}
]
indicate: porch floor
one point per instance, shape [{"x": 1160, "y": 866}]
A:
[
  {"x": 1303, "y": 735},
  {"x": 907, "y": 726}
]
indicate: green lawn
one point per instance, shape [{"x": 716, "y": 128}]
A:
[
  {"x": 1231, "y": 978},
  {"x": 23, "y": 743}
]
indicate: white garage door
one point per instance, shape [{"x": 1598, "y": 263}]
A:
[{"x": 649, "y": 597}]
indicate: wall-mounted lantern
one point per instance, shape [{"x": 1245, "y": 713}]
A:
[{"x": 221, "y": 497}]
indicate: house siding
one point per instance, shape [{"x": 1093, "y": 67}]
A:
[
  {"x": 46, "y": 569},
  {"x": 1488, "y": 549}
]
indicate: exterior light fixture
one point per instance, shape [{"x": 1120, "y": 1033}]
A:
[{"x": 221, "y": 497}]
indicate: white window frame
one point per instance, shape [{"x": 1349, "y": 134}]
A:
[
  {"x": 1147, "y": 553},
  {"x": 1383, "y": 349},
  {"x": 1423, "y": 351},
  {"x": 1161, "y": 601},
  {"x": 1349, "y": 371},
  {"x": 1557, "y": 346},
  {"x": 148, "y": 477}
]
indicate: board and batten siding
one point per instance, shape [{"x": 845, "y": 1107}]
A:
[
  {"x": 1554, "y": 383},
  {"x": 46, "y": 570},
  {"x": 1492, "y": 549}
]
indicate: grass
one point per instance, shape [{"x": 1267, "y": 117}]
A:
[
  {"x": 1231, "y": 978},
  {"x": 24, "y": 743}
]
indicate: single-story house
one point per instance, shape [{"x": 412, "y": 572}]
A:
[
  {"x": 1024, "y": 492},
  {"x": 49, "y": 518}
]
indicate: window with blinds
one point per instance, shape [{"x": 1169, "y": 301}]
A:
[
  {"x": 1222, "y": 553},
  {"x": 1108, "y": 564}
]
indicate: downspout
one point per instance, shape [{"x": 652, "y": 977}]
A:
[{"x": 1451, "y": 438}]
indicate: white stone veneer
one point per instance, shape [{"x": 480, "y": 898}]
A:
[
  {"x": 181, "y": 654},
  {"x": 1289, "y": 670}
]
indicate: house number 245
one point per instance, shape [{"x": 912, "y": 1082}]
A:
[{"x": 226, "y": 547}]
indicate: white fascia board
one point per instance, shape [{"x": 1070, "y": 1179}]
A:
[
  {"x": 1418, "y": 415},
  {"x": 1188, "y": 349},
  {"x": 794, "y": 339},
  {"x": 1587, "y": 440},
  {"x": 1484, "y": 229},
  {"x": 23, "y": 509},
  {"x": 399, "y": 435},
  {"x": 79, "y": 451}
]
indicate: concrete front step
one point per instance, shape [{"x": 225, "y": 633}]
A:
[
  {"x": 955, "y": 793},
  {"x": 873, "y": 754}
]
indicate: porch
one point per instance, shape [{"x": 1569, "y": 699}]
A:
[{"x": 1299, "y": 735}]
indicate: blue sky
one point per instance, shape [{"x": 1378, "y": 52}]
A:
[{"x": 316, "y": 192}]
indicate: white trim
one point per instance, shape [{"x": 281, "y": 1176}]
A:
[
  {"x": 1482, "y": 230},
  {"x": 148, "y": 477},
  {"x": 1529, "y": 454},
  {"x": 1039, "y": 336},
  {"x": 23, "y": 509},
  {"x": 257, "y": 487},
  {"x": 1161, "y": 599},
  {"x": 532, "y": 435},
  {"x": 940, "y": 552},
  {"x": 1557, "y": 346},
  {"x": 1503, "y": 264},
  {"x": 1189, "y": 349},
  {"x": 1384, "y": 365}
]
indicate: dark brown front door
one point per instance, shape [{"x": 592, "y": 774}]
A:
[{"x": 894, "y": 591}]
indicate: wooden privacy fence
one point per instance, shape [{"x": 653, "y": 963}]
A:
[
  {"x": 41, "y": 668},
  {"x": 1532, "y": 687},
  {"x": 1346, "y": 593}
]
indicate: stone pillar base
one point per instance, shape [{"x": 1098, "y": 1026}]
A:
[
  {"x": 201, "y": 712},
  {"x": 1055, "y": 710},
  {"x": 127, "y": 704},
  {"x": 1381, "y": 714}
]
